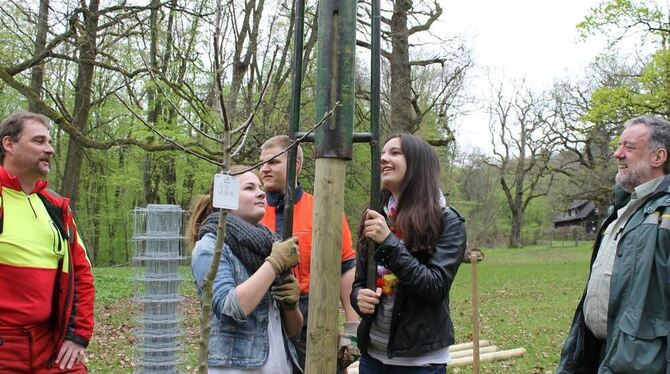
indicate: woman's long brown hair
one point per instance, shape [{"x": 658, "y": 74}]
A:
[
  {"x": 419, "y": 214},
  {"x": 201, "y": 207}
]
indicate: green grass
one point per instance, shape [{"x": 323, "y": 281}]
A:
[
  {"x": 112, "y": 347},
  {"x": 527, "y": 298}
]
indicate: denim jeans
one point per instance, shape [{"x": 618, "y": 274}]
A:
[{"x": 370, "y": 365}]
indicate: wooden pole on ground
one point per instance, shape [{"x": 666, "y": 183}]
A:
[
  {"x": 468, "y": 345},
  {"x": 469, "y": 352},
  {"x": 475, "y": 315},
  {"x": 489, "y": 357}
]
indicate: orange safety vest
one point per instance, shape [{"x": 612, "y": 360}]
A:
[{"x": 302, "y": 228}]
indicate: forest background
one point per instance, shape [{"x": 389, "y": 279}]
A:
[{"x": 130, "y": 88}]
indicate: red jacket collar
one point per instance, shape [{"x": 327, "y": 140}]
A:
[{"x": 10, "y": 181}]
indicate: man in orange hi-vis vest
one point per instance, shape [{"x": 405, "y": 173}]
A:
[
  {"x": 273, "y": 175},
  {"x": 46, "y": 285}
]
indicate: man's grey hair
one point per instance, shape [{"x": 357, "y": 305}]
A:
[{"x": 659, "y": 134}]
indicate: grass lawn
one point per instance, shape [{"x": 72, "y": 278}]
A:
[
  {"x": 112, "y": 347},
  {"x": 527, "y": 298}
]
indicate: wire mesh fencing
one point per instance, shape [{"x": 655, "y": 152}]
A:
[{"x": 157, "y": 253}]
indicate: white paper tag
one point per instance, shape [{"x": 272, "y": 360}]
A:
[{"x": 226, "y": 193}]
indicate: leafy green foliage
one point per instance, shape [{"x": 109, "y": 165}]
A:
[
  {"x": 616, "y": 19},
  {"x": 647, "y": 93}
]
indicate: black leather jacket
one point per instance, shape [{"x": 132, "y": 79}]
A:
[{"x": 421, "y": 322}]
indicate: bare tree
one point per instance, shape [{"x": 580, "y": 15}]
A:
[
  {"x": 246, "y": 44},
  {"x": 408, "y": 27},
  {"x": 585, "y": 131},
  {"x": 519, "y": 123},
  {"x": 82, "y": 100},
  {"x": 477, "y": 182},
  {"x": 37, "y": 72}
]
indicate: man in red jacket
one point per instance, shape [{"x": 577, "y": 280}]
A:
[
  {"x": 273, "y": 175},
  {"x": 46, "y": 285}
]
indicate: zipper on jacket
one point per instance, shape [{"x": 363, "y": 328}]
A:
[
  {"x": 29, "y": 336},
  {"x": 618, "y": 233},
  {"x": 57, "y": 242},
  {"x": 31, "y": 205}
]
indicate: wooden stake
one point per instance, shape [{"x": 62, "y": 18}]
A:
[
  {"x": 468, "y": 345},
  {"x": 324, "y": 288},
  {"x": 469, "y": 352},
  {"x": 489, "y": 357},
  {"x": 475, "y": 315}
]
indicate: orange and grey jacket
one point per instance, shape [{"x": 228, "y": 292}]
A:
[
  {"x": 302, "y": 228},
  {"x": 45, "y": 274}
]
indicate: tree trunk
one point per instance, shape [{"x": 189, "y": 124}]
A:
[
  {"x": 518, "y": 207},
  {"x": 170, "y": 179},
  {"x": 188, "y": 187},
  {"x": 150, "y": 180},
  {"x": 515, "y": 235},
  {"x": 283, "y": 71},
  {"x": 93, "y": 204},
  {"x": 151, "y": 184},
  {"x": 242, "y": 58},
  {"x": 119, "y": 193},
  {"x": 37, "y": 72},
  {"x": 82, "y": 101},
  {"x": 402, "y": 115}
]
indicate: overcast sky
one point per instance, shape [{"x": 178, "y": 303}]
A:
[{"x": 535, "y": 39}]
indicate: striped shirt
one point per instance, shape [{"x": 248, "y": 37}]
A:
[{"x": 379, "y": 337}]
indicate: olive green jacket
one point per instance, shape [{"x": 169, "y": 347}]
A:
[{"x": 638, "y": 324}]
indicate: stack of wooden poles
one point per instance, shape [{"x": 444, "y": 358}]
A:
[
  {"x": 476, "y": 351},
  {"x": 463, "y": 354}
]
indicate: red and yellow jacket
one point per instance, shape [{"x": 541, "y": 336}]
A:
[
  {"x": 45, "y": 274},
  {"x": 302, "y": 228}
]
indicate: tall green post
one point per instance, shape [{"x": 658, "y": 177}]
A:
[
  {"x": 335, "y": 76},
  {"x": 294, "y": 127},
  {"x": 333, "y": 148},
  {"x": 375, "y": 106}
]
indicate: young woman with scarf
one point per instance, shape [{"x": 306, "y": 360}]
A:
[
  {"x": 255, "y": 297},
  {"x": 420, "y": 242}
]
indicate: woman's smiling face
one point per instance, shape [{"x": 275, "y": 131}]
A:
[
  {"x": 252, "y": 199},
  {"x": 393, "y": 166}
]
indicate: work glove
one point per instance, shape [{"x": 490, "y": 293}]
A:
[
  {"x": 286, "y": 292},
  {"x": 284, "y": 255}
]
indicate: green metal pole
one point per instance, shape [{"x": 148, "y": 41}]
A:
[
  {"x": 289, "y": 193},
  {"x": 375, "y": 103},
  {"x": 335, "y": 77}
]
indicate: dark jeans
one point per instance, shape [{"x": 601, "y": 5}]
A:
[{"x": 370, "y": 365}]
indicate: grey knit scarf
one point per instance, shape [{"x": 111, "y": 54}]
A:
[{"x": 250, "y": 243}]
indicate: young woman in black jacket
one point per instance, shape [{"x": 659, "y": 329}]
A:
[{"x": 420, "y": 241}]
